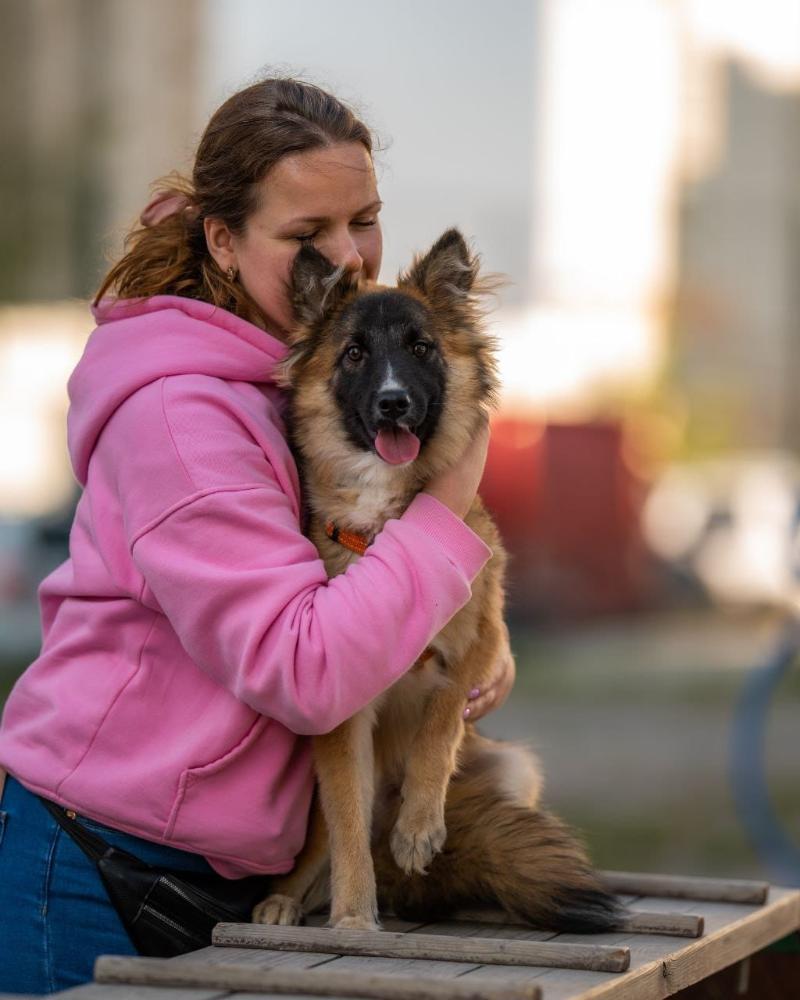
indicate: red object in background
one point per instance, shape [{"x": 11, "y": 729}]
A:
[{"x": 568, "y": 509}]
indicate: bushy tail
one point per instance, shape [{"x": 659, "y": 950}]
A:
[{"x": 501, "y": 853}]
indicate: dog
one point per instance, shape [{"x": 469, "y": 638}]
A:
[{"x": 416, "y": 810}]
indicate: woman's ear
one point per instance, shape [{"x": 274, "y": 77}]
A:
[{"x": 219, "y": 241}]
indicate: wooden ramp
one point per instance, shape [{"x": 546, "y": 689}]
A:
[{"x": 680, "y": 932}]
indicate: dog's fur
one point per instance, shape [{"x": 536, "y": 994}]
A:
[{"x": 453, "y": 818}]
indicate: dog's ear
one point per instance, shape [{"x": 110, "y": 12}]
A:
[
  {"x": 447, "y": 271},
  {"x": 316, "y": 285}
]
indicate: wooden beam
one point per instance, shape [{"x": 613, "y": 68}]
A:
[
  {"x": 480, "y": 951},
  {"x": 688, "y": 925},
  {"x": 636, "y": 922},
  {"x": 324, "y": 982},
  {"x": 732, "y": 942},
  {"x": 715, "y": 890}
]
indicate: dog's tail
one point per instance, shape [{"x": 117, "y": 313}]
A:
[{"x": 502, "y": 852}]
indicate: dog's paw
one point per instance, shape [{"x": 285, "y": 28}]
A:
[
  {"x": 355, "y": 922},
  {"x": 415, "y": 844},
  {"x": 277, "y": 909}
]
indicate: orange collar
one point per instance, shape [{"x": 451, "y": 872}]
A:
[
  {"x": 349, "y": 539},
  {"x": 359, "y": 544}
]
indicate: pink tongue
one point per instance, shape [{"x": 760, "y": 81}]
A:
[{"x": 397, "y": 446}]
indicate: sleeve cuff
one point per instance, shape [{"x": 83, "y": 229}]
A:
[{"x": 464, "y": 548}]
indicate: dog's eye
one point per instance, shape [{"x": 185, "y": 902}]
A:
[
  {"x": 354, "y": 352},
  {"x": 420, "y": 349}
]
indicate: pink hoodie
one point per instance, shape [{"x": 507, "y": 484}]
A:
[{"x": 193, "y": 633}]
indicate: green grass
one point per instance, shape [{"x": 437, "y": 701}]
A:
[
  {"x": 692, "y": 837},
  {"x": 700, "y": 659},
  {"x": 695, "y": 660},
  {"x": 9, "y": 672},
  {"x": 669, "y": 842}
]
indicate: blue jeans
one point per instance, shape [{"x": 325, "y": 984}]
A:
[{"x": 55, "y": 916}]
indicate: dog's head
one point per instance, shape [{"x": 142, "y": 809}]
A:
[{"x": 393, "y": 375}]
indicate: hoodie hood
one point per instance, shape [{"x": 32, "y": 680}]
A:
[{"x": 139, "y": 341}]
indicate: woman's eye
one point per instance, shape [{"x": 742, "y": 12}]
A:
[
  {"x": 354, "y": 352},
  {"x": 365, "y": 223},
  {"x": 420, "y": 349},
  {"x": 306, "y": 237}
]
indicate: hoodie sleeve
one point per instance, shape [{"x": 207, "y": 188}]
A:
[{"x": 247, "y": 593}]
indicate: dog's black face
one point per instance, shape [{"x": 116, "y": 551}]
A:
[
  {"x": 389, "y": 381},
  {"x": 397, "y": 373}
]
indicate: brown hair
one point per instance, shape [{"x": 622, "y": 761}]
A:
[{"x": 245, "y": 138}]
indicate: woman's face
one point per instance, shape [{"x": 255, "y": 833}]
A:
[{"x": 326, "y": 196}]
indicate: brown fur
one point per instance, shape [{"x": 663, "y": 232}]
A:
[{"x": 453, "y": 819}]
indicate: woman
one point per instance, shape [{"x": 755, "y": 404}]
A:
[{"x": 192, "y": 638}]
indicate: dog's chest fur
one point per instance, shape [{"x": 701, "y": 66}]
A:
[
  {"x": 396, "y": 714},
  {"x": 368, "y": 495}
]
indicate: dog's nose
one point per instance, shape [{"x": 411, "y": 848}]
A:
[{"x": 393, "y": 403}]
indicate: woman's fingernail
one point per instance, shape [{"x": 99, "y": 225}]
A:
[
  {"x": 474, "y": 693},
  {"x": 467, "y": 712}
]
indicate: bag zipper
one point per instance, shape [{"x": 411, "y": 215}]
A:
[
  {"x": 170, "y": 923},
  {"x": 233, "y": 915},
  {"x": 177, "y": 889}
]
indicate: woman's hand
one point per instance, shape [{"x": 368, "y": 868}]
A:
[
  {"x": 456, "y": 486},
  {"x": 483, "y": 700}
]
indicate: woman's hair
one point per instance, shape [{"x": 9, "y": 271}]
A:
[{"x": 246, "y": 137}]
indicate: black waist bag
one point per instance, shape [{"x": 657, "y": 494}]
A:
[{"x": 165, "y": 913}]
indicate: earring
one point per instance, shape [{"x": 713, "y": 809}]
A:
[{"x": 231, "y": 273}]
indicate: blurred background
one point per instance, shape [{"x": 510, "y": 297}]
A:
[{"x": 633, "y": 167}]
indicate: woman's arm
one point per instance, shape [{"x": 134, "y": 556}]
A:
[{"x": 213, "y": 531}]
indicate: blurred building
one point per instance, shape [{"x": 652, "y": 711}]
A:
[
  {"x": 104, "y": 97},
  {"x": 631, "y": 166},
  {"x": 737, "y": 322}
]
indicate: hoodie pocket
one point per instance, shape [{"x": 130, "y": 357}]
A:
[{"x": 217, "y": 802}]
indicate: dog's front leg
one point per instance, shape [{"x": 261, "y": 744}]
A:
[
  {"x": 345, "y": 768},
  {"x": 290, "y": 894},
  {"x": 420, "y": 830}
]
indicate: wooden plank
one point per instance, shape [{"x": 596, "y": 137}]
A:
[
  {"x": 498, "y": 918},
  {"x": 479, "y": 951},
  {"x": 645, "y": 949},
  {"x": 717, "y": 915},
  {"x": 178, "y": 972},
  {"x": 265, "y": 959},
  {"x": 685, "y": 887},
  {"x": 389, "y": 922},
  {"x": 736, "y": 941},
  {"x": 470, "y": 928},
  {"x": 497, "y": 928},
  {"x": 355, "y": 964},
  {"x": 689, "y": 925},
  {"x": 278, "y": 996},
  {"x": 657, "y": 973},
  {"x": 520, "y": 932},
  {"x": 97, "y": 991},
  {"x": 573, "y": 984},
  {"x": 392, "y": 966},
  {"x": 637, "y": 922}
]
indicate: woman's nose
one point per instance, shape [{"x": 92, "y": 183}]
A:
[{"x": 343, "y": 252}]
